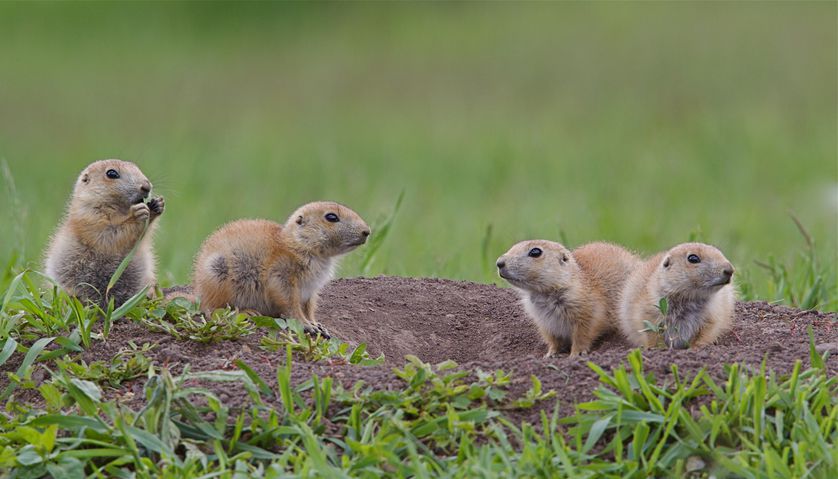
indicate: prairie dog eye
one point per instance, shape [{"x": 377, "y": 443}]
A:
[
  {"x": 332, "y": 218},
  {"x": 694, "y": 259},
  {"x": 112, "y": 174},
  {"x": 534, "y": 253}
]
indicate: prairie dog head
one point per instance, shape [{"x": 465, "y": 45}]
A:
[
  {"x": 693, "y": 268},
  {"x": 327, "y": 228},
  {"x": 114, "y": 183},
  {"x": 538, "y": 266}
]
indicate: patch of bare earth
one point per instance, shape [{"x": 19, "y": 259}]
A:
[{"x": 478, "y": 326}]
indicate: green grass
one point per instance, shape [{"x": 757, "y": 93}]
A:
[
  {"x": 645, "y": 124},
  {"x": 439, "y": 421}
]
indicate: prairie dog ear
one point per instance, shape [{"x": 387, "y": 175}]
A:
[
  {"x": 300, "y": 220},
  {"x": 85, "y": 178},
  {"x": 667, "y": 262}
]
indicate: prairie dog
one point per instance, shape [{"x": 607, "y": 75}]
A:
[
  {"x": 105, "y": 218},
  {"x": 275, "y": 269},
  {"x": 695, "y": 279},
  {"x": 569, "y": 295}
]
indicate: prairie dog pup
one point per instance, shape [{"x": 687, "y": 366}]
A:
[
  {"x": 273, "y": 269},
  {"x": 105, "y": 219},
  {"x": 695, "y": 279},
  {"x": 569, "y": 295}
]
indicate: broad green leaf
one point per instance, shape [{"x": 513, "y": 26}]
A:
[
  {"x": 149, "y": 441},
  {"x": 52, "y": 395},
  {"x": 71, "y": 422},
  {"x": 86, "y": 394},
  {"x": 90, "y": 389},
  {"x": 28, "y": 456},
  {"x": 66, "y": 468},
  {"x": 597, "y": 428},
  {"x": 358, "y": 354}
]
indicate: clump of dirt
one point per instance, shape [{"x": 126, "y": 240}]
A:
[{"x": 480, "y": 327}]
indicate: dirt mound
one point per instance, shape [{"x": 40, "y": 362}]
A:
[
  {"x": 434, "y": 319},
  {"x": 439, "y": 319},
  {"x": 479, "y": 326}
]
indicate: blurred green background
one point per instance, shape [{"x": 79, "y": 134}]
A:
[{"x": 646, "y": 124}]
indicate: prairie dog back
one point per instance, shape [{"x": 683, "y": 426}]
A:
[{"x": 609, "y": 267}]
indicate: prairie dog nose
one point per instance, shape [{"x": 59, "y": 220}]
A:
[
  {"x": 728, "y": 270},
  {"x": 145, "y": 187},
  {"x": 501, "y": 263}
]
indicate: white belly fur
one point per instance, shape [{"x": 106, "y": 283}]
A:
[
  {"x": 321, "y": 272},
  {"x": 547, "y": 317}
]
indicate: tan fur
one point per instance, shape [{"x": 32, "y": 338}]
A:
[
  {"x": 273, "y": 269},
  {"x": 569, "y": 295},
  {"x": 104, "y": 220},
  {"x": 701, "y": 298}
]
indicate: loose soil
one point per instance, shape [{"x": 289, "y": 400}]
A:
[{"x": 478, "y": 326}]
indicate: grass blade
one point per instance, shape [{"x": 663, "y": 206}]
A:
[
  {"x": 129, "y": 304},
  {"x": 12, "y": 288},
  {"x": 260, "y": 383},
  {"x": 30, "y": 358},
  {"x": 126, "y": 261},
  {"x": 9, "y": 347},
  {"x": 815, "y": 358},
  {"x": 378, "y": 237}
]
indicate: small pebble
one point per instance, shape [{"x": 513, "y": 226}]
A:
[
  {"x": 824, "y": 347},
  {"x": 695, "y": 463}
]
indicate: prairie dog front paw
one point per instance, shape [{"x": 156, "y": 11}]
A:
[
  {"x": 314, "y": 329},
  {"x": 140, "y": 212},
  {"x": 156, "y": 206}
]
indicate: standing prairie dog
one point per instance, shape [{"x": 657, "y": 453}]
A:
[
  {"x": 105, "y": 219},
  {"x": 569, "y": 295},
  {"x": 695, "y": 279},
  {"x": 273, "y": 269}
]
